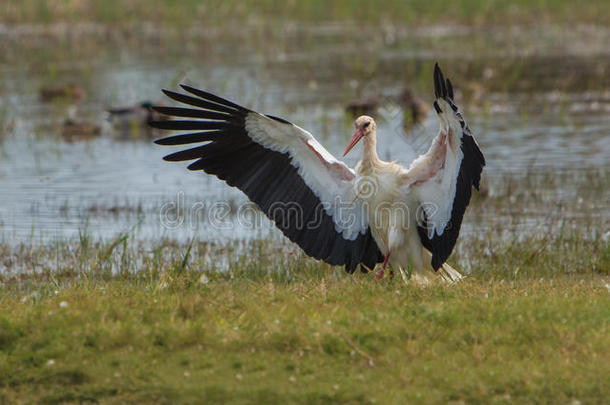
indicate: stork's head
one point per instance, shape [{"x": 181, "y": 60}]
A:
[{"x": 365, "y": 126}]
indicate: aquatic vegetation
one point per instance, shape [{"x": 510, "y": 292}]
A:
[{"x": 418, "y": 12}]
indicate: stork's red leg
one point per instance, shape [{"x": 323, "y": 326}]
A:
[
  {"x": 382, "y": 271},
  {"x": 385, "y": 259}
]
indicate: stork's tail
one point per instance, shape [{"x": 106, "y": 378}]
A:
[
  {"x": 449, "y": 274},
  {"x": 446, "y": 272}
]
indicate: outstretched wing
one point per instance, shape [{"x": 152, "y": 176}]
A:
[
  {"x": 442, "y": 178},
  {"x": 292, "y": 178}
]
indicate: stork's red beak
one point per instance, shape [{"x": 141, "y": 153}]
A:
[{"x": 357, "y": 136}]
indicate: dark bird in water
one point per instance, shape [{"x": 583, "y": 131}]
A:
[
  {"x": 134, "y": 120},
  {"x": 141, "y": 114},
  {"x": 363, "y": 106},
  {"x": 414, "y": 109},
  {"x": 69, "y": 92},
  {"x": 73, "y": 131}
]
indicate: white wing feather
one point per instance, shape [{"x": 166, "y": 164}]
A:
[
  {"x": 432, "y": 176},
  {"x": 330, "y": 179}
]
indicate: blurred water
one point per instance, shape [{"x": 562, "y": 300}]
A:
[{"x": 53, "y": 189}]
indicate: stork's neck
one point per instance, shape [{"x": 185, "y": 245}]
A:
[{"x": 370, "y": 160}]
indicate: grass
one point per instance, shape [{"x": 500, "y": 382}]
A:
[
  {"x": 413, "y": 12},
  {"x": 120, "y": 322},
  {"x": 320, "y": 339}
]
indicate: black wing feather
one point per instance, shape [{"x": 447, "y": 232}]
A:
[
  {"x": 188, "y": 125},
  {"x": 189, "y": 138},
  {"x": 469, "y": 176},
  {"x": 267, "y": 177},
  {"x": 193, "y": 113},
  {"x": 197, "y": 102}
]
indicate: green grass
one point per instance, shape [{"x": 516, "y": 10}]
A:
[
  {"x": 320, "y": 339},
  {"x": 119, "y": 322},
  {"x": 413, "y": 12}
]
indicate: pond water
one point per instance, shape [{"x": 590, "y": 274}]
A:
[{"x": 537, "y": 112}]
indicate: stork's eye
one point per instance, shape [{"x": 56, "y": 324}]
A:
[{"x": 366, "y": 124}]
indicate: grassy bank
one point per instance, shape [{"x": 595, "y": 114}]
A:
[
  {"x": 416, "y": 12},
  {"x": 321, "y": 339},
  {"x": 118, "y": 322}
]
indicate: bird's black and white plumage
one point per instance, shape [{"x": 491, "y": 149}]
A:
[
  {"x": 293, "y": 179},
  {"x": 314, "y": 198},
  {"x": 445, "y": 197}
]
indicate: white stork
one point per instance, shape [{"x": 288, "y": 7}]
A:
[{"x": 408, "y": 218}]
